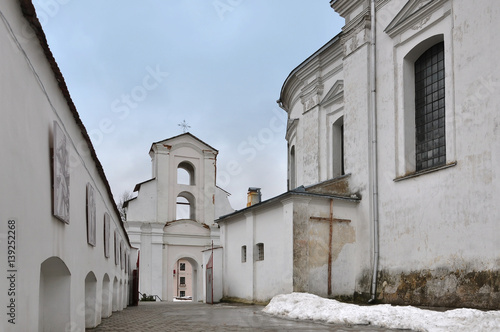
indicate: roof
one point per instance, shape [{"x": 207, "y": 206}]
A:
[
  {"x": 138, "y": 186},
  {"x": 29, "y": 13},
  {"x": 300, "y": 191},
  {"x": 185, "y": 134}
]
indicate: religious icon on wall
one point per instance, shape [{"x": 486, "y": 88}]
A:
[
  {"x": 91, "y": 216},
  {"x": 106, "y": 235},
  {"x": 122, "y": 254},
  {"x": 60, "y": 175},
  {"x": 117, "y": 248}
]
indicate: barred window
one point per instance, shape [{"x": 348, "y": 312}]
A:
[
  {"x": 430, "y": 131},
  {"x": 260, "y": 251},
  {"x": 243, "y": 254}
]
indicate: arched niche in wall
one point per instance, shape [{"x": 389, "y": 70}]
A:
[{"x": 54, "y": 296}]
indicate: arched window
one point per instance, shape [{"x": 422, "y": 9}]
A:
[
  {"x": 185, "y": 206},
  {"x": 338, "y": 148},
  {"x": 430, "y": 135},
  {"x": 185, "y": 173}
]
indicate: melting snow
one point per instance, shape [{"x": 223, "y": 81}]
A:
[{"x": 308, "y": 306}]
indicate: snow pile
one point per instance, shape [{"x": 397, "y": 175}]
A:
[{"x": 308, "y": 306}]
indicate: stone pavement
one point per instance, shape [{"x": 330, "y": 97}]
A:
[{"x": 187, "y": 316}]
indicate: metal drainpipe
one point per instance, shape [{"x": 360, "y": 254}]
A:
[{"x": 374, "y": 175}]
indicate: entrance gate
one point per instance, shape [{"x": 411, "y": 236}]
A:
[{"x": 210, "y": 280}]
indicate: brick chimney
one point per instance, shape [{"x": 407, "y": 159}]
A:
[{"x": 253, "y": 196}]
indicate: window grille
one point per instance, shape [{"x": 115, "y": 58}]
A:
[
  {"x": 243, "y": 254},
  {"x": 260, "y": 251},
  {"x": 430, "y": 108}
]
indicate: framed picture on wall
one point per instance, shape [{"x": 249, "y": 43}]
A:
[
  {"x": 106, "y": 235},
  {"x": 60, "y": 164},
  {"x": 117, "y": 248},
  {"x": 122, "y": 255},
  {"x": 91, "y": 216}
]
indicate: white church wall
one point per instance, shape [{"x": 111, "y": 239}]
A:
[
  {"x": 27, "y": 84},
  {"x": 443, "y": 224}
]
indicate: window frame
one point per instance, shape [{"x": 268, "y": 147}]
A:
[
  {"x": 430, "y": 101},
  {"x": 259, "y": 250},
  {"x": 243, "y": 254},
  {"x": 406, "y": 52}
]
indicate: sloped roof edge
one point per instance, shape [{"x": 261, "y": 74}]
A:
[
  {"x": 29, "y": 13},
  {"x": 300, "y": 191},
  {"x": 188, "y": 134}
]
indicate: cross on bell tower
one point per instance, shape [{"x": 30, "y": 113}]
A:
[{"x": 185, "y": 127}]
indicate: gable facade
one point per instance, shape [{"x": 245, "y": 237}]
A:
[{"x": 172, "y": 216}]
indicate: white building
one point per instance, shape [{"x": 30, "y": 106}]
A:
[
  {"x": 172, "y": 216},
  {"x": 394, "y": 122},
  {"x": 66, "y": 259}
]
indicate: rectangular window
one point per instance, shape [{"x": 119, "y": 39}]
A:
[
  {"x": 243, "y": 254},
  {"x": 260, "y": 251},
  {"x": 430, "y": 134},
  {"x": 182, "y": 267},
  {"x": 183, "y": 281},
  {"x": 182, "y": 293}
]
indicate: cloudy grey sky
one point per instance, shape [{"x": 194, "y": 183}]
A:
[{"x": 137, "y": 69}]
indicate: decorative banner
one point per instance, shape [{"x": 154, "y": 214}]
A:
[
  {"x": 60, "y": 175},
  {"x": 106, "y": 235},
  {"x": 91, "y": 216}
]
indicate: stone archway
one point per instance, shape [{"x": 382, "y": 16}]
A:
[
  {"x": 54, "y": 295},
  {"x": 196, "y": 277}
]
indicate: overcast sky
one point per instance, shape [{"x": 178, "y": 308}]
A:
[{"x": 137, "y": 69}]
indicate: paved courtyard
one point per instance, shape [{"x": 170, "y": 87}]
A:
[{"x": 187, "y": 316}]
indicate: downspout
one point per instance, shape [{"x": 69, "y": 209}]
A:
[{"x": 374, "y": 175}]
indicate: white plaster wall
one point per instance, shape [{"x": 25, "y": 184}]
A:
[
  {"x": 222, "y": 205},
  {"x": 25, "y": 133},
  {"x": 238, "y": 275},
  {"x": 255, "y": 280},
  {"x": 312, "y": 148},
  {"x": 273, "y": 275},
  {"x": 143, "y": 207},
  {"x": 447, "y": 218}
]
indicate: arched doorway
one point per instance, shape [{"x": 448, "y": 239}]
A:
[
  {"x": 106, "y": 297},
  {"x": 54, "y": 295},
  {"x": 186, "y": 280},
  {"x": 90, "y": 300},
  {"x": 116, "y": 295}
]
